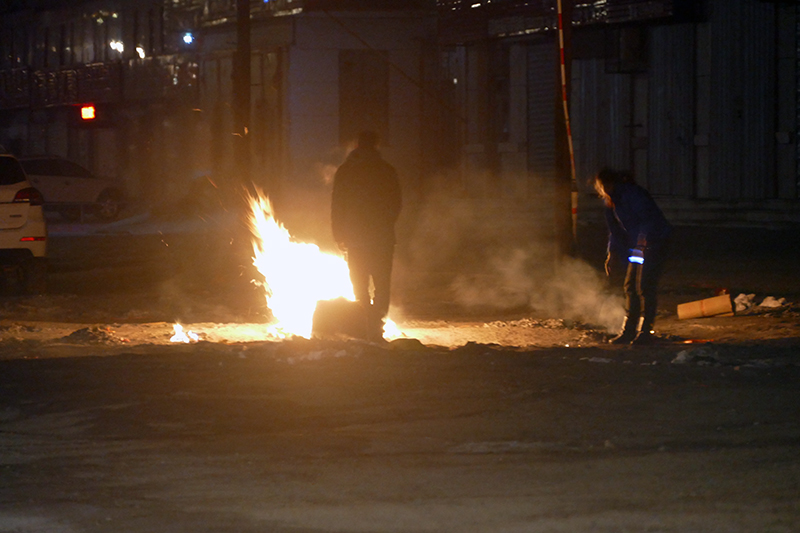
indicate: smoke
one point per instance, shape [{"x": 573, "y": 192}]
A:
[
  {"x": 499, "y": 255},
  {"x": 495, "y": 253},
  {"x": 568, "y": 288}
]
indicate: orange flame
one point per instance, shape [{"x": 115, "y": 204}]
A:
[
  {"x": 181, "y": 336},
  {"x": 297, "y": 275}
]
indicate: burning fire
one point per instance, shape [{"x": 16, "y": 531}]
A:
[
  {"x": 181, "y": 336},
  {"x": 297, "y": 275}
]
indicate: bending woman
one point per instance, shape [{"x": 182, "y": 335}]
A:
[{"x": 641, "y": 225}]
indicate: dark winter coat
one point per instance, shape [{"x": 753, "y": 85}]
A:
[
  {"x": 639, "y": 216},
  {"x": 617, "y": 236},
  {"x": 366, "y": 200}
]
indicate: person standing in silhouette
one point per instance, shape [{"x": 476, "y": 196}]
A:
[{"x": 365, "y": 205}]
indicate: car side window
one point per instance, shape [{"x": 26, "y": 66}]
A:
[
  {"x": 39, "y": 167},
  {"x": 73, "y": 170}
]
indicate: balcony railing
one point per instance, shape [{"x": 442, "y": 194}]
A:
[{"x": 172, "y": 76}]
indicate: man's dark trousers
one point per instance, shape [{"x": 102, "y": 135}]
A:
[{"x": 372, "y": 261}]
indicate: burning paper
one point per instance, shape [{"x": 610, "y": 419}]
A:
[
  {"x": 180, "y": 336},
  {"x": 296, "y": 275}
]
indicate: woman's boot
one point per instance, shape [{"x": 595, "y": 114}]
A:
[{"x": 628, "y": 333}]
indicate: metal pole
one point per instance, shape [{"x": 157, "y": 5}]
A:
[
  {"x": 241, "y": 92},
  {"x": 565, "y": 101},
  {"x": 566, "y": 191}
]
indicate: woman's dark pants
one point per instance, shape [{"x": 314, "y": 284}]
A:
[{"x": 641, "y": 289}]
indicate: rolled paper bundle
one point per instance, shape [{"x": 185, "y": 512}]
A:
[{"x": 717, "y": 306}]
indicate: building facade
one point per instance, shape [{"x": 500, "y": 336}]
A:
[
  {"x": 127, "y": 59},
  {"x": 161, "y": 75},
  {"x": 698, "y": 99}
]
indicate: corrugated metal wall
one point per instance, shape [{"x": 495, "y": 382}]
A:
[
  {"x": 742, "y": 104},
  {"x": 711, "y": 109},
  {"x": 670, "y": 169},
  {"x": 602, "y": 118},
  {"x": 541, "y": 109}
]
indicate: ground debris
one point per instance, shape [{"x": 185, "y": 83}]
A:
[
  {"x": 593, "y": 337},
  {"x": 597, "y": 359},
  {"x": 550, "y": 323},
  {"x": 699, "y": 356},
  {"x": 13, "y": 329},
  {"x": 94, "y": 335},
  {"x": 738, "y": 357},
  {"x": 746, "y": 305}
]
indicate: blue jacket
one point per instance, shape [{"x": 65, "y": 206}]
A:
[
  {"x": 639, "y": 218},
  {"x": 617, "y": 237}
]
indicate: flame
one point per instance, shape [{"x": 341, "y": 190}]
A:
[
  {"x": 391, "y": 331},
  {"x": 180, "y": 336},
  {"x": 297, "y": 275}
]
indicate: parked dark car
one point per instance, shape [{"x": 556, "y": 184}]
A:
[{"x": 73, "y": 190}]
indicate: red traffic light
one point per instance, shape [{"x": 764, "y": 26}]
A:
[{"x": 88, "y": 112}]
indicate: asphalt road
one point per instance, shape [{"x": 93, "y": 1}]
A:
[{"x": 310, "y": 436}]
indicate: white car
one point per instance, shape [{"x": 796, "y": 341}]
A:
[
  {"x": 23, "y": 230},
  {"x": 73, "y": 190}
]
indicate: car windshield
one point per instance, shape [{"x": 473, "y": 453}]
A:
[{"x": 10, "y": 171}]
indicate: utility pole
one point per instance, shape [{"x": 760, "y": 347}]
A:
[
  {"x": 565, "y": 187},
  {"x": 241, "y": 93}
]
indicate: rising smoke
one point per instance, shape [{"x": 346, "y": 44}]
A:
[
  {"x": 569, "y": 288},
  {"x": 487, "y": 254},
  {"x": 499, "y": 255}
]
